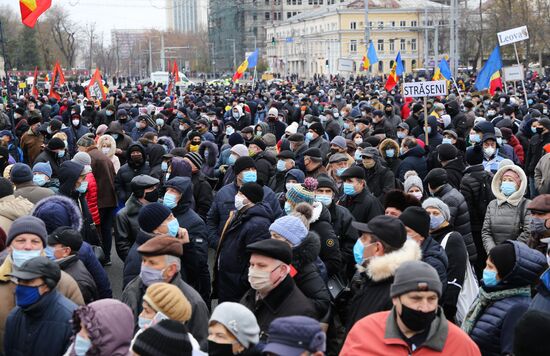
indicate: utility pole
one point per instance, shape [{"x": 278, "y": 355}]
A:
[
  {"x": 150, "y": 58},
  {"x": 436, "y": 44},
  {"x": 367, "y": 27},
  {"x": 454, "y": 37},
  {"x": 234, "y": 53},
  {"x": 213, "y": 62},
  {"x": 162, "y": 53},
  {"x": 91, "y": 45},
  {"x": 426, "y": 39}
]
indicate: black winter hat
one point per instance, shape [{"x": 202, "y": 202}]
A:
[
  {"x": 259, "y": 142},
  {"x": 317, "y": 127},
  {"x": 276, "y": 249},
  {"x": 446, "y": 152},
  {"x": 243, "y": 163},
  {"x": 353, "y": 172},
  {"x": 386, "y": 228},
  {"x": 436, "y": 178},
  {"x": 166, "y": 338},
  {"x": 253, "y": 192},
  {"x": 416, "y": 218},
  {"x": 20, "y": 173},
  {"x": 399, "y": 200},
  {"x": 503, "y": 257},
  {"x": 152, "y": 215},
  {"x": 6, "y": 188},
  {"x": 531, "y": 334},
  {"x": 56, "y": 144},
  {"x": 474, "y": 155}
]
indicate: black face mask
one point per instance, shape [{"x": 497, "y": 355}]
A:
[
  {"x": 215, "y": 349},
  {"x": 152, "y": 196},
  {"x": 416, "y": 320},
  {"x": 137, "y": 160}
]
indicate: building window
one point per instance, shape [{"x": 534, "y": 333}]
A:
[
  {"x": 403, "y": 23},
  {"x": 288, "y": 15},
  {"x": 380, "y": 66},
  {"x": 414, "y": 24},
  {"x": 254, "y": 17},
  {"x": 393, "y": 24},
  {"x": 402, "y": 46},
  {"x": 353, "y": 46},
  {"x": 267, "y": 17},
  {"x": 353, "y": 25},
  {"x": 381, "y": 45},
  {"x": 392, "y": 45},
  {"x": 266, "y": 2},
  {"x": 413, "y": 44},
  {"x": 380, "y": 24}
]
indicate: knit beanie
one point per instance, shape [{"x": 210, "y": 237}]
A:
[
  {"x": 446, "y": 152},
  {"x": 56, "y": 144},
  {"x": 416, "y": 218},
  {"x": 291, "y": 228},
  {"x": 412, "y": 180},
  {"x": 413, "y": 276},
  {"x": 439, "y": 205},
  {"x": 240, "y": 150},
  {"x": 436, "y": 178},
  {"x": 304, "y": 192},
  {"x": 510, "y": 173},
  {"x": 169, "y": 300},
  {"x": 27, "y": 225},
  {"x": 166, "y": 338},
  {"x": 503, "y": 257},
  {"x": 152, "y": 215},
  {"x": 195, "y": 158},
  {"x": 43, "y": 167},
  {"x": 235, "y": 139},
  {"x": 474, "y": 155},
  {"x": 239, "y": 321},
  {"x": 317, "y": 127},
  {"x": 83, "y": 158},
  {"x": 6, "y": 188},
  {"x": 86, "y": 141},
  {"x": 243, "y": 163},
  {"x": 20, "y": 173},
  {"x": 253, "y": 192}
]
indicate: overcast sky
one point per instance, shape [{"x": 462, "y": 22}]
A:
[{"x": 112, "y": 14}]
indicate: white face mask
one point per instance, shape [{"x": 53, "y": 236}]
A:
[
  {"x": 105, "y": 150},
  {"x": 489, "y": 151},
  {"x": 288, "y": 186},
  {"x": 261, "y": 280},
  {"x": 239, "y": 202},
  {"x": 417, "y": 195}
]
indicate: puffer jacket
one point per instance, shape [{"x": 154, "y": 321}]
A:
[
  {"x": 330, "y": 254},
  {"x": 455, "y": 171},
  {"x": 91, "y": 198},
  {"x": 471, "y": 187},
  {"x": 265, "y": 166},
  {"x": 434, "y": 255},
  {"x": 507, "y": 217},
  {"x": 209, "y": 152},
  {"x": 413, "y": 160},
  {"x": 127, "y": 226},
  {"x": 307, "y": 278},
  {"x": 231, "y": 270},
  {"x": 128, "y": 171},
  {"x": 460, "y": 218},
  {"x": 541, "y": 301},
  {"x": 542, "y": 175},
  {"x": 493, "y": 331}
]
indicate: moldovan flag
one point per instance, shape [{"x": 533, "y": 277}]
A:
[
  {"x": 34, "y": 91},
  {"x": 443, "y": 71},
  {"x": 173, "y": 78},
  {"x": 396, "y": 72},
  {"x": 489, "y": 75},
  {"x": 96, "y": 87},
  {"x": 250, "y": 62},
  {"x": 371, "y": 57},
  {"x": 58, "y": 79},
  {"x": 32, "y": 9}
]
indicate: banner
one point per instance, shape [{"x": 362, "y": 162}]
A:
[
  {"x": 58, "y": 79},
  {"x": 96, "y": 87}
]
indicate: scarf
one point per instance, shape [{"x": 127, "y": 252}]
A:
[{"x": 485, "y": 299}]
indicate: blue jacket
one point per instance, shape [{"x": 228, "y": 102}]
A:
[
  {"x": 136, "y": 133},
  {"x": 413, "y": 160},
  {"x": 87, "y": 256},
  {"x": 194, "y": 262},
  {"x": 494, "y": 330},
  {"x": 224, "y": 202},
  {"x": 231, "y": 270},
  {"x": 73, "y": 134},
  {"x": 40, "y": 329},
  {"x": 434, "y": 255},
  {"x": 541, "y": 301}
]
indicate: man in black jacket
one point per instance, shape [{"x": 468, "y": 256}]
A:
[
  {"x": 202, "y": 190},
  {"x": 380, "y": 179},
  {"x": 447, "y": 154},
  {"x": 135, "y": 166},
  {"x": 358, "y": 200},
  {"x": 265, "y": 161}
]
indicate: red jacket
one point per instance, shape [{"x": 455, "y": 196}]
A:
[
  {"x": 518, "y": 148},
  {"x": 378, "y": 334},
  {"x": 91, "y": 197}
]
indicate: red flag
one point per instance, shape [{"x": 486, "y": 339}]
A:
[
  {"x": 34, "y": 91},
  {"x": 58, "y": 79},
  {"x": 392, "y": 80},
  {"x": 173, "y": 78},
  {"x": 96, "y": 87},
  {"x": 32, "y": 9}
]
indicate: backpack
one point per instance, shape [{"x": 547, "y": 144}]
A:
[{"x": 468, "y": 291}]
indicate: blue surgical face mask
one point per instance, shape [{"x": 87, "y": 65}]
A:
[
  {"x": 169, "y": 200},
  {"x": 249, "y": 176},
  {"x": 231, "y": 160},
  {"x": 340, "y": 171},
  {"x": 357, "y": 156},
  {"x": 499, "y": 141},
  {"x": 164, "y": 166},
  {"x": 83, "y": 187},
  {"x": 508, "y": 188},
  {"x": 489, "y": 278},
  {"x": 429, "y": 130},
  {"x": 81, "y": 345},
  {"x": 346, "y": 125},
  {"x": 61, "y": 154},
  {"x": 447, "y": 140},
  {"x": 21, "y": 256},
  {"x": 309, "y": 136},
  {"x": 390, "y": 153},
  {"x": 39, "y": 179},
  {"x": 150, "y": 275},
  {"x": 159, "y": 122},
  {"x": 288, "y": 208},
  {"x": 26, "y": 295},
  {"x": 349, "y": 189},
  {"x": 474, "y": 138},
  {"x": 173, "y": 227},
  {"x": 358, "y": 249},
  {"x": 401, "y": 135},
  {"x": 143, "y": 322},
  {"x": 326, "y": 200},
  {"x": 533, "y": 129},
  {"x": 49, "y": 251},
  {"x": 281, "y": 165},
  {"x": 115, "y": 136},
  {"x": 436, "y": 221}
]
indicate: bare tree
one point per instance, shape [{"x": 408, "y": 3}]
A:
[{"x": 64, "y": 33}]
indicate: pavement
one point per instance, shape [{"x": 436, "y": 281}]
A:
[{"x": 115, "y": 273}]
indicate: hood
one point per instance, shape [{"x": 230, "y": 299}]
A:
[
  {"x": 383, "y": 267},
  {"x": 12, "y": 207},
  {"x": 110, "y": 325},
  {"x": 529, "y": 266},
  {"x": 452, "y": 108},
  {"x": 260, "y": 210},
  {"x": 416, "y": 151},
  {"x": 306, "y": 252},
  {"x": 320, "y": 213},
  {"x": 180, "y": 168},
  {"x": 115, "y": 127},
  {"x": 156, "y": 152},
  {"x": 263, "y": 125},
  {"x": 209, "y": 152},
  {"x": 68, "y": 175},
  {"x": 388, "y": 144},
  {"x": 267, "y": 155},
  {"x": 185, "y": 187},
  {"x": 515, "y": 198},
  {"x": 432, "y": 122},
  {"x": 56, "y": 211},
  {"x": 135, "y": 147},
  {"x": 167, "y": 143},
  {"x": 112, "y": 147}
]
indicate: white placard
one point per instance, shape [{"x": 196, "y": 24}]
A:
[
  {"x": 422, "y": 89},
  {"x": 513, "y": 73},
  {"x": 345, "y": 65},
  {"x": 512, "y": 36}
]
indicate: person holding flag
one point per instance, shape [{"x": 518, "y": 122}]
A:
[{"x": 489, "y": 75}]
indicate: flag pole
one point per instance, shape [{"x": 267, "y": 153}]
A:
[
  {"x": 456, "y": 87},
  {"x": 522, "y": 81}
]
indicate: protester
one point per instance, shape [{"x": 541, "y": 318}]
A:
[
  {"x": 232, "y": 330},
  {"x": 295, "y": 335},
  {"x": 21, "y": 176}
]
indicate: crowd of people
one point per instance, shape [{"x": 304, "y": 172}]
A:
[{"x": 323, "y": 217}]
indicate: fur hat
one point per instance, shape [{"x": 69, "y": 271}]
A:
[{"x": 399, "y": 200}]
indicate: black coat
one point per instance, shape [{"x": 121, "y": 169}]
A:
[
  {"x": 346, "y": 234},
  {"x": 330, "y": 245},
  {"x": 127, "y": 226},
  {"x": 471, "y": 187},
  {"x": 231, "y": 270},
  {"x": 455, "y": 170},
  {"x": 285, "y": 300},
  {"x": 413, "y": 160},
  {"x": 363, "y": 206},
  {"x": 128, "y": 171},
  {"x": 76, "y": 269},
  {"x": 202, "y": 193},
  {"x": 380, "y": 180},
  {"x": 434, "y": 255},
  {"x": 50, "y": 156},
  {"x": 535, "y": 152},
  {"x": 265, "y": 166}
]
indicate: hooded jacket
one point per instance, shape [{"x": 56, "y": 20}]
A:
[
  {"x": 477, "y": 192},
  {"x": 155, "y": 154},
  {"x": 363, "y": 206},
  {"x": 231, "y": 271},
  {"x": 391, "y": 162},
  {"x": 195, "y": 254},
  {"x": 434, "y": 137},
  {"x": 380, "y": 180},
  {"x": 52, "y": 158},
  {"x": 209, "y": 151},
  {"x": 455, "y": 170},
  {"x": 265, "y": 166},
  {"x": 507, "y": 218},
  {"x": 104, "y": 174},
  {"x": 12, "y": 208},
  {"x": 130, "y": 170},
  {"x": 123, "y": 141}
]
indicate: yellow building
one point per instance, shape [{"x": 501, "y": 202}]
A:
[{"x": 331, "y": 40}]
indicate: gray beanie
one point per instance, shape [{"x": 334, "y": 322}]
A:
[
  {"x": 27, "y": 225},
  {"x": 415, "y": 276},
  {"x": 239, "y": 321},
  {"x": 413, "y": 180},
  {"x": 439, "y": 205}
]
